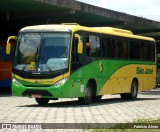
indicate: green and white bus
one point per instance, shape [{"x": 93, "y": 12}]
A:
[{"x": 73, "y": 61}]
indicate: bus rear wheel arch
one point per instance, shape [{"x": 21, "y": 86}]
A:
[{"x": 133, "y": 92}]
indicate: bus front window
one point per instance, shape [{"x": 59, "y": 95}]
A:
[{"x": 42, "y": 51}]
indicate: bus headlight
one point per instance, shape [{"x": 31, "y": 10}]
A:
[
  {"x": 61, "y": 82},
  {"x": 16, "y": 82}
]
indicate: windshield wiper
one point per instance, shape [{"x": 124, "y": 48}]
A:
[
  {"x": 24, "y": 67},
  {"x": 41, "y": 57}
]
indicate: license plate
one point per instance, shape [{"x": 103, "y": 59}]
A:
[{"x": 36, "y": 96}]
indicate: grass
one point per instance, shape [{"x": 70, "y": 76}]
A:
[{"x": 147, "y": 121}]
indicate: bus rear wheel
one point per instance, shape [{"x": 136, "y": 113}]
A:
[
  {"x": 97, "y": 98},
  {"x": 88, "y": 98},
  {"x": 133, "y": 94},
  {"x": 42, "y": 101}
]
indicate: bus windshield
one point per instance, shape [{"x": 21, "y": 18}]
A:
[{"x": 42, "y": 51}]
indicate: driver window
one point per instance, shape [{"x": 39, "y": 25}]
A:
[{"x": 77, "y": 59}]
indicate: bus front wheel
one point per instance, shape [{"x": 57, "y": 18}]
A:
[
  {"x": 88, "y": 98},
  {"x": 133, "y": 94},
  {"x": 42, "y": 101}
]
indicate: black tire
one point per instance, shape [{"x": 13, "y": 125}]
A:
[
  {"x": 97, "y": 98},
  {"x": 42, "y": 101},
  {"x": 133, "y": 94},
  {"x": 88, "y": 98}
]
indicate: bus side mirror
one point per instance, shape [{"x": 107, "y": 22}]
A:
[
  {"x": 80, "y": 44},
  {"x": 8, "y": 46}
]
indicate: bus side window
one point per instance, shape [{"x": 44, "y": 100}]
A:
[
  {"x": 88, "y": 46},
  {"x": 144, "y": 51},
  {"x": 104, "y": 47},
  {"x": 151, "y": 51},
  {"x": 125, "y": 49},
  {"x": 107, "y": 47},
  {"x": 119, "y": 48},
  {"x": 134, "y": 50},
  {"x": 93, "y": 46},
  {"x": 113, "y": 48}
]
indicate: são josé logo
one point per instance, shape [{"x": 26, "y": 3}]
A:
[{"x": 146, "y": 70}]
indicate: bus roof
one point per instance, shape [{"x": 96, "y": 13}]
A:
[{"x": 67, "y": 27}]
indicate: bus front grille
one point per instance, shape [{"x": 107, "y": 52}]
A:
[{"x": 29, "y": 92}]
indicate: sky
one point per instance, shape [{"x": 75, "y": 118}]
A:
[{"x": 149, "y": 9}]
